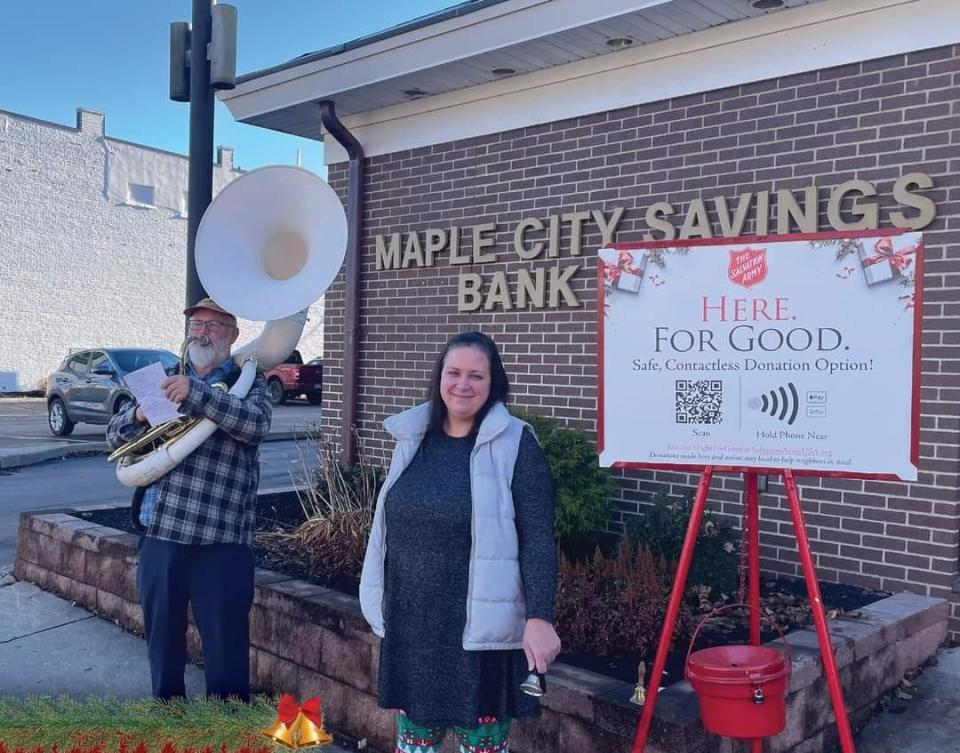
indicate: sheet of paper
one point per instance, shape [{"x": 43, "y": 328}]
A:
[{"x": 145, "y": 385}]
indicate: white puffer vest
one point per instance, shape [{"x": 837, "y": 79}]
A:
[{"x": 496, "y": 609}]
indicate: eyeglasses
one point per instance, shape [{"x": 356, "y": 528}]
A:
[{"x": 196, "y": 325}]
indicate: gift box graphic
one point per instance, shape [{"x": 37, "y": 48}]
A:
[
  {"x": 623, "y": 270},
  {"x": 884, "y": 262}
]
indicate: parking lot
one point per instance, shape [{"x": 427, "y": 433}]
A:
[
  {"x": 23, "y": 424},
  {"x": 24, "y": 421}
]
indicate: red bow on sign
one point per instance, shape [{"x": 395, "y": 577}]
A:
[
  {"x": 898, "y": 260},
  {"x": 288, "y": 708},
  {"x": 624, "y": 263}
]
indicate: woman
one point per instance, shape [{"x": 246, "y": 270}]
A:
[{"x": 460, "y": 570}]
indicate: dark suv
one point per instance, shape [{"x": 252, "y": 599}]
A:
[{"x": 89, "y": 387}]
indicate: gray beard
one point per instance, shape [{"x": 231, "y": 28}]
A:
[{"x": 207, "y": 356}]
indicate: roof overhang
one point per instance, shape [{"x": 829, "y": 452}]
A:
[
  {"x": 457, "y": 51},
  {"x": 443, "y": 60}
]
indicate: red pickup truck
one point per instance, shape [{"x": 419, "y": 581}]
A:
[{"x": 293, "y": 377}]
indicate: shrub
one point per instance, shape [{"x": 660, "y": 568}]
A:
[
  {"x": 616, "y": 605},
  {"x": 582, "y": 486},
  {"x": 339, "y": 504},
  {"x": 716, "y": 558},
  {"x": 338, "y": 509}
]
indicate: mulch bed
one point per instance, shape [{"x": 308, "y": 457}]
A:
[
  {"x": 785, "y": 597},
  {"x": 274, "y": 512}
]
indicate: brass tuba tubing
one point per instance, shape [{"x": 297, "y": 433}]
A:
[{"x": 166, "y": 432}]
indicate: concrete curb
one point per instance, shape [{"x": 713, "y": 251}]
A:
[
  {"x": 21, "y": 456},
  {"x": 18, "y": 457}
]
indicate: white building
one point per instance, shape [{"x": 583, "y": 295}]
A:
[{"x": 93, "y": 234}]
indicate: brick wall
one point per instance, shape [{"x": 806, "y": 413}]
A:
[{"x": 875, "y": 121}]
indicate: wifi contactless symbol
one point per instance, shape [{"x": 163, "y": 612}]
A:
[{"x": 782, "y": 403}]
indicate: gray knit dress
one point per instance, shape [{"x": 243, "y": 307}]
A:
[{"x": 424, "y": 669}]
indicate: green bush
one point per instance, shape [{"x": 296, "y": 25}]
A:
[
  {"x": 582, "y": 486},
  {"x": 716, "y": 558}
]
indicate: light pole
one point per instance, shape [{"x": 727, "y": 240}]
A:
[{"x": 203, "y": 58}]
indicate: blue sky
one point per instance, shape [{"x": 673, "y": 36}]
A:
[{"x": 112, "y": 56}]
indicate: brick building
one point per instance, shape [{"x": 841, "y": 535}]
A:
[
  {"x": 94, "y": 235},
  {"x": 493, "y": 126}
]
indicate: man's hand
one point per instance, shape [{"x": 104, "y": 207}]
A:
[
  {"x": 540, "y": 644},
  {"x": 176, "y": 388},
  {"x": 139, "y": 416}
]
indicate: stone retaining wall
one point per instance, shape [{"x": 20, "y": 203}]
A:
[{"x": 311, "y": 640}]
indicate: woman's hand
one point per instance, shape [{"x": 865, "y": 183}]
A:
[{"x": 541, "y": 644}]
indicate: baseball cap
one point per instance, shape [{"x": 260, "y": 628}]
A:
[{"x": 209, "y": 304}]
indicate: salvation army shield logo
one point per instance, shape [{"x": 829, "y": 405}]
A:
[{"x": 748, "y": 267}]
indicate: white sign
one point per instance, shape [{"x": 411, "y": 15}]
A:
[
  {"x": 145, "y": 385},
  {"x": 799, "y": 353}
]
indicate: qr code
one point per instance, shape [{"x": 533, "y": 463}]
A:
[{"x": 699, "y": 402}]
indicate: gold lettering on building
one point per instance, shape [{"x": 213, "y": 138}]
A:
[
  {"x": 524, "y": 249},
  {"x": 483, "y": 238},
  {"x": 852, "y": 205},
  {"x": 531, "y": 291},
  {"x": 788, "y": 209},
  {"x": 868, "y": 213},
  {"x": 455, "y": 257},
  {"x": 468, "y": 291},
  {"x": 903, "y": 195}
]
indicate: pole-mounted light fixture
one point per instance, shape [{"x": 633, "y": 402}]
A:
[
  {"x": 180, "y": 61},
  {"x": 221, "y": 52},
  {"x": 223, "y": 47}
]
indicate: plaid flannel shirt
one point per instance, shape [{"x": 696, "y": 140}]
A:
[{"x": 211, "y": 496}]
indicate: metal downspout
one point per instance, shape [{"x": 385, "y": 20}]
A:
[{"x": 351, "y": 313}]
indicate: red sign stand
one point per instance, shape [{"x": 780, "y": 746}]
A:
[{"x": 752, "y": 512}]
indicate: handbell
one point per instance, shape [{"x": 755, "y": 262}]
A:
[
  {"x": 308, "y": 734},
  {"x": 535, "y": 685},
  {"x": 640, "y": 693},
  {"x": 280, "y": 733}
]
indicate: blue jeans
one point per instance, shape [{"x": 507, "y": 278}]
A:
[{"x": 217, "y": 581}]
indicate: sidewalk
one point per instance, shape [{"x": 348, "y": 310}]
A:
[
  {"x": 930, "y": 723},
  {"x": 50, "y": 647}
]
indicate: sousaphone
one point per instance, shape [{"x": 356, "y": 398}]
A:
[{"x": 268, "y": 246}]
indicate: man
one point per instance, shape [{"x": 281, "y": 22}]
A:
[{"x": 199, "y": 518}]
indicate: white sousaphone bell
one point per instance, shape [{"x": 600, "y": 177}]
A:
[{"x": 268, "y": 246}]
